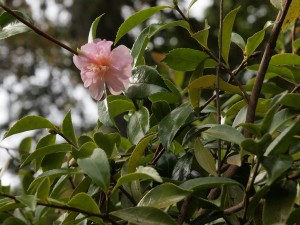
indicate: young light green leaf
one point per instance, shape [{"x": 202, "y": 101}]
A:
[
  {"x": 185, "y": 59},
  {"x": 205, "y": 158},
  {"x": 226, "y": 133},
  {"x": 93, "y": 29},
  {"x": 238, "y": 40},
  {"x": 10, "y": 26},
  {"x": 67, "y": 128},
  {"x": 227, "y": 30},
  {"x": 136, "y": 19},
  {"x": 209, "y": 81},
  {"x": 43, "y": 189},
  {"x": 95, "y": 164},
  {"x": 163, "y": 196},
  {"x": 285, "y": 59},
  {"x": 279, "y": 202},
  {"x": 138, "y": 152},
  {"x": 292, "y": 14},
  {"x": 202, "y": 35},
  {"x": 29, "y": 123},
  {"x": 170, "y": 124},
  {"x": 144, "y": 173},
  {"x": 27, "y": 200},
  {"x": 84, "y": 202},
  {"x": 144, "y": 215},
  {"x": 277, "y": 3},
  {"x": 254, "y": 41},
  {"x": 50, "y": 149}
]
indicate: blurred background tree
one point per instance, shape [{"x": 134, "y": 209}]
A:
[{"x": 38, "y": 77}]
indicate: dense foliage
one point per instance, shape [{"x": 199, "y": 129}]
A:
[{"x": 218, "y": 148}]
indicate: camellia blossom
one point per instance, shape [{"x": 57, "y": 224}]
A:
[{"x": 101, "y": 68}]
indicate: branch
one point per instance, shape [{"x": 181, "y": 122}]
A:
[
  {"x": 264, "y": 65},
  {"x": 37, "y": 30}
]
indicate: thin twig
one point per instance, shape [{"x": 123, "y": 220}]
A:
[{"x": 37, "y": 30}]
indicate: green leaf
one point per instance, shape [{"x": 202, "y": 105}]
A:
[
  {"x": 138, "y": 125},
  {"x": 29, "y": 123},
  {"x": 183, "y": 167},
  {"x": 28, "y": 200},
  {"x": 280, "y": 118},
  {"x": 25, "y": 145},
  {"x": 10, "y": 26},
  {"x": 50, "y": 149},
  {"x": 291, "y": 100},
  {"x": 136, "y": 19},
  {"x": 93, "y": 161},
  {"x": 144, "y": 173},
  {"x": 205, "y": 158},
  {"x": 83, "y": 186},
  {"x": 67, "y": 128},
  {"x": 195, "y": 93},
  {"x": 226, "y": 133},
  {"x": 43, "y": 189},
  {"x": 292, "y": 14},
  {"x": 254, "y": 41},
  {"x": 84, "y": 202},
  {"x": 209, "y": 81},
  {"x": 163, "y": 196},
  {"x": 202, "y": 35},
  {"x": 170, "y": 124},
  {"x": 185, "y": 59},
  {"x": 145, "y": 82},
  {"x": 282, "y": 142},
  {"x": 93, "y": 29},
  {"x": 160, "y": 109},
  {"x": 296, "y": 45},
  {"x": 276, "y": 166},
  {"x": 279, "y": 202},
  {"x": 13, "y": 221},
  {"x": 138, "y": 152},
  {"x": 257, "y": 147},
  {"x": 207, "y": 183},
  {"x": 277, "y": 3},
  {"x": 238, "y": 40},
  {"x": 190, "y": 6},
  {"x": 228, "y": 22},
  {"x": 294, "y": 217},
  {"x": 143, "y": 39},
  {"x": 144, "y": 215},
  {"x": 285, "y": 59},
  {"x": 107, "y": 142}
]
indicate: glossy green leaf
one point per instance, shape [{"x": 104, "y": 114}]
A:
[
  {"x": 93, "y": 29},
  {"x": 25, "y": 145},
  {"x": 281, "y": 143},
  {"x": 138, "y": 152},
  {"x": 291, "y": 100},
  {"x": 163, "y": 196},
  {"x": 183, "y": 167},
  {"x": 279, "y": 202},
  {"x": 107, "y": 142},
  {"x": 13, "y": 221},
  {"x": 68, "y": 129},
  {"x": 138, "y": 125},
  {"x": 118, "y": 105},
  {"x": 202, "y": 36},
  {"x": 170, "y": 124},
  {"x": 83, "y": 186},
  {"x": 29, "y": 123},
  {"x": 276, "y": 166},
  {"x": 27, "y": 200},
  {"x": 285, "y": 59},
  {"x": 160, "y": 109},
  {"x": 207, "y": 183},
  {"x": 238, "y": 40},
  {"x": 256, "y": 147},
  {"x": 10, "y": 26},
  {"x": 52, "y": 161},
  {"x": 94, "y": 163},
  {"x": 103, "y": 113},
  {"x": 205, "y": 158},
  {"x": 84, "y": 139},
  {"x": 143, "y": 173},
  {"x": 228, "y": 22},
  {"x": 209, "y": 82},
  {"x": 144, "y": 215},
  {"x": 254, "y": 41},
  {"x": 43, "y": 189},
  {"x": 145, "y": 81},
  {"x": 280, "y": 118},
  {"x": 166, "y": 163},
  {"x": 50, "y": 149},
  {"x": 136, "y": 19},
  {"x": 10, "y": 205},
  {"x": 195, "y": 93},
  {"x": 185, "y": 59},
  {"x": 226, "y": 133},
  {"x": 84, "y": 202},
  {"x": 143, "y": 39}
]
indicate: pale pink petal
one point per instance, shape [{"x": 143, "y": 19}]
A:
[
  {"x": 97, "y": 90},
  {"x": 79, "y": 62},
  {"x": 89, "y": 48},
  {"x": 120, "y": 57}
]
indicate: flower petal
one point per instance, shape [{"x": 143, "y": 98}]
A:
[
  {"x": 120, "y": 57},
  {"x": 97, "y": 90}
]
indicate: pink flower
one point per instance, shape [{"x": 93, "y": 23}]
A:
[{"x": 101, "y": 67}]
